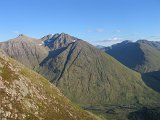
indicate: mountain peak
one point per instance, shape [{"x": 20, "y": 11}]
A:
[
  {"x": 22, "y": 35},
  {"x": 126, "y": 41},
  {"x": 58, "y": 40},
  {"x": 65, "y": 36},
  {"x": 49, "y": 36},
  {"x": 61, "y": 35}
]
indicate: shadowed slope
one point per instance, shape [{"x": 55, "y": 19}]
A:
[
  {"x": 142, "y": 56},
  {"x": 152, "y": 79}
]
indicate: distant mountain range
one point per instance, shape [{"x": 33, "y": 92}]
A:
[
  {"x": 100, "y": 46},
  {"x": 142, "y": 56},
  {"x": 85, "y": 74}
]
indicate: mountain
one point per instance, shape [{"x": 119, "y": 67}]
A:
[
  {"x": 85, "y": 74},
  {"x": 26, "y": 95},
  {"x": 142, "y": 56},
  {"x": 100, "y": 46},
  {"x": 26, "y": 50}
]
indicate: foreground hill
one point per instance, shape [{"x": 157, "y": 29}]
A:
[
  {"x": 85, "y": 74},
  {"x": 25, "y": 95},
  {"x": 142, "y": 56}
]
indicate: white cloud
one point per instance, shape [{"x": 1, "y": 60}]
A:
[
  {"x": 99, "y": 30},
  {"x": 111, "y": 39},
  {"x": 16, "y": 32},
  {"x": 108, "y": 42},
  {"x": 156, "y": 37},
  {"x": 115, "y": 39}
]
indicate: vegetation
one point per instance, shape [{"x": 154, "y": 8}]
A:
[{"x": 26, "y": 95}]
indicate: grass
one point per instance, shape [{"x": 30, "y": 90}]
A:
[{"x": 44, "y": 97}]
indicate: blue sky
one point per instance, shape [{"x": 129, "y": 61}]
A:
[{"x": 97, "y": 21}]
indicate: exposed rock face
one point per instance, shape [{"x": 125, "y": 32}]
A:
[
  {"x": 142, "y": 56},
  {"x": 25, "y": 95},
  {"x": 85, "y": 74},
  {"x": 58, "y": 40}
]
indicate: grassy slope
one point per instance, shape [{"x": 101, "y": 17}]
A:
[
  {"x": 108, "y": 88},
  {"x": 152, "y": 59},
  {"x": 26, "y": 95},
  {"x": 91, "y": 77}
]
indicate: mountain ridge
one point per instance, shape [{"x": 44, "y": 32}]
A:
[
  {"x": 142, "y": 56},
  {"x": 86, "y": 75}
]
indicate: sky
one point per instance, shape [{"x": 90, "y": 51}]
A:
[{"x": 100, "y": 22}]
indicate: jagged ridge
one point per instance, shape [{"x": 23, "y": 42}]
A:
[{"x": 88, "y": 76}]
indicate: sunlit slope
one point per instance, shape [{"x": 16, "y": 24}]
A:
[{"x": 26, "y": 95}]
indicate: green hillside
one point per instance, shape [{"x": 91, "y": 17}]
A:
[{"x": 26, "y": 95}]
